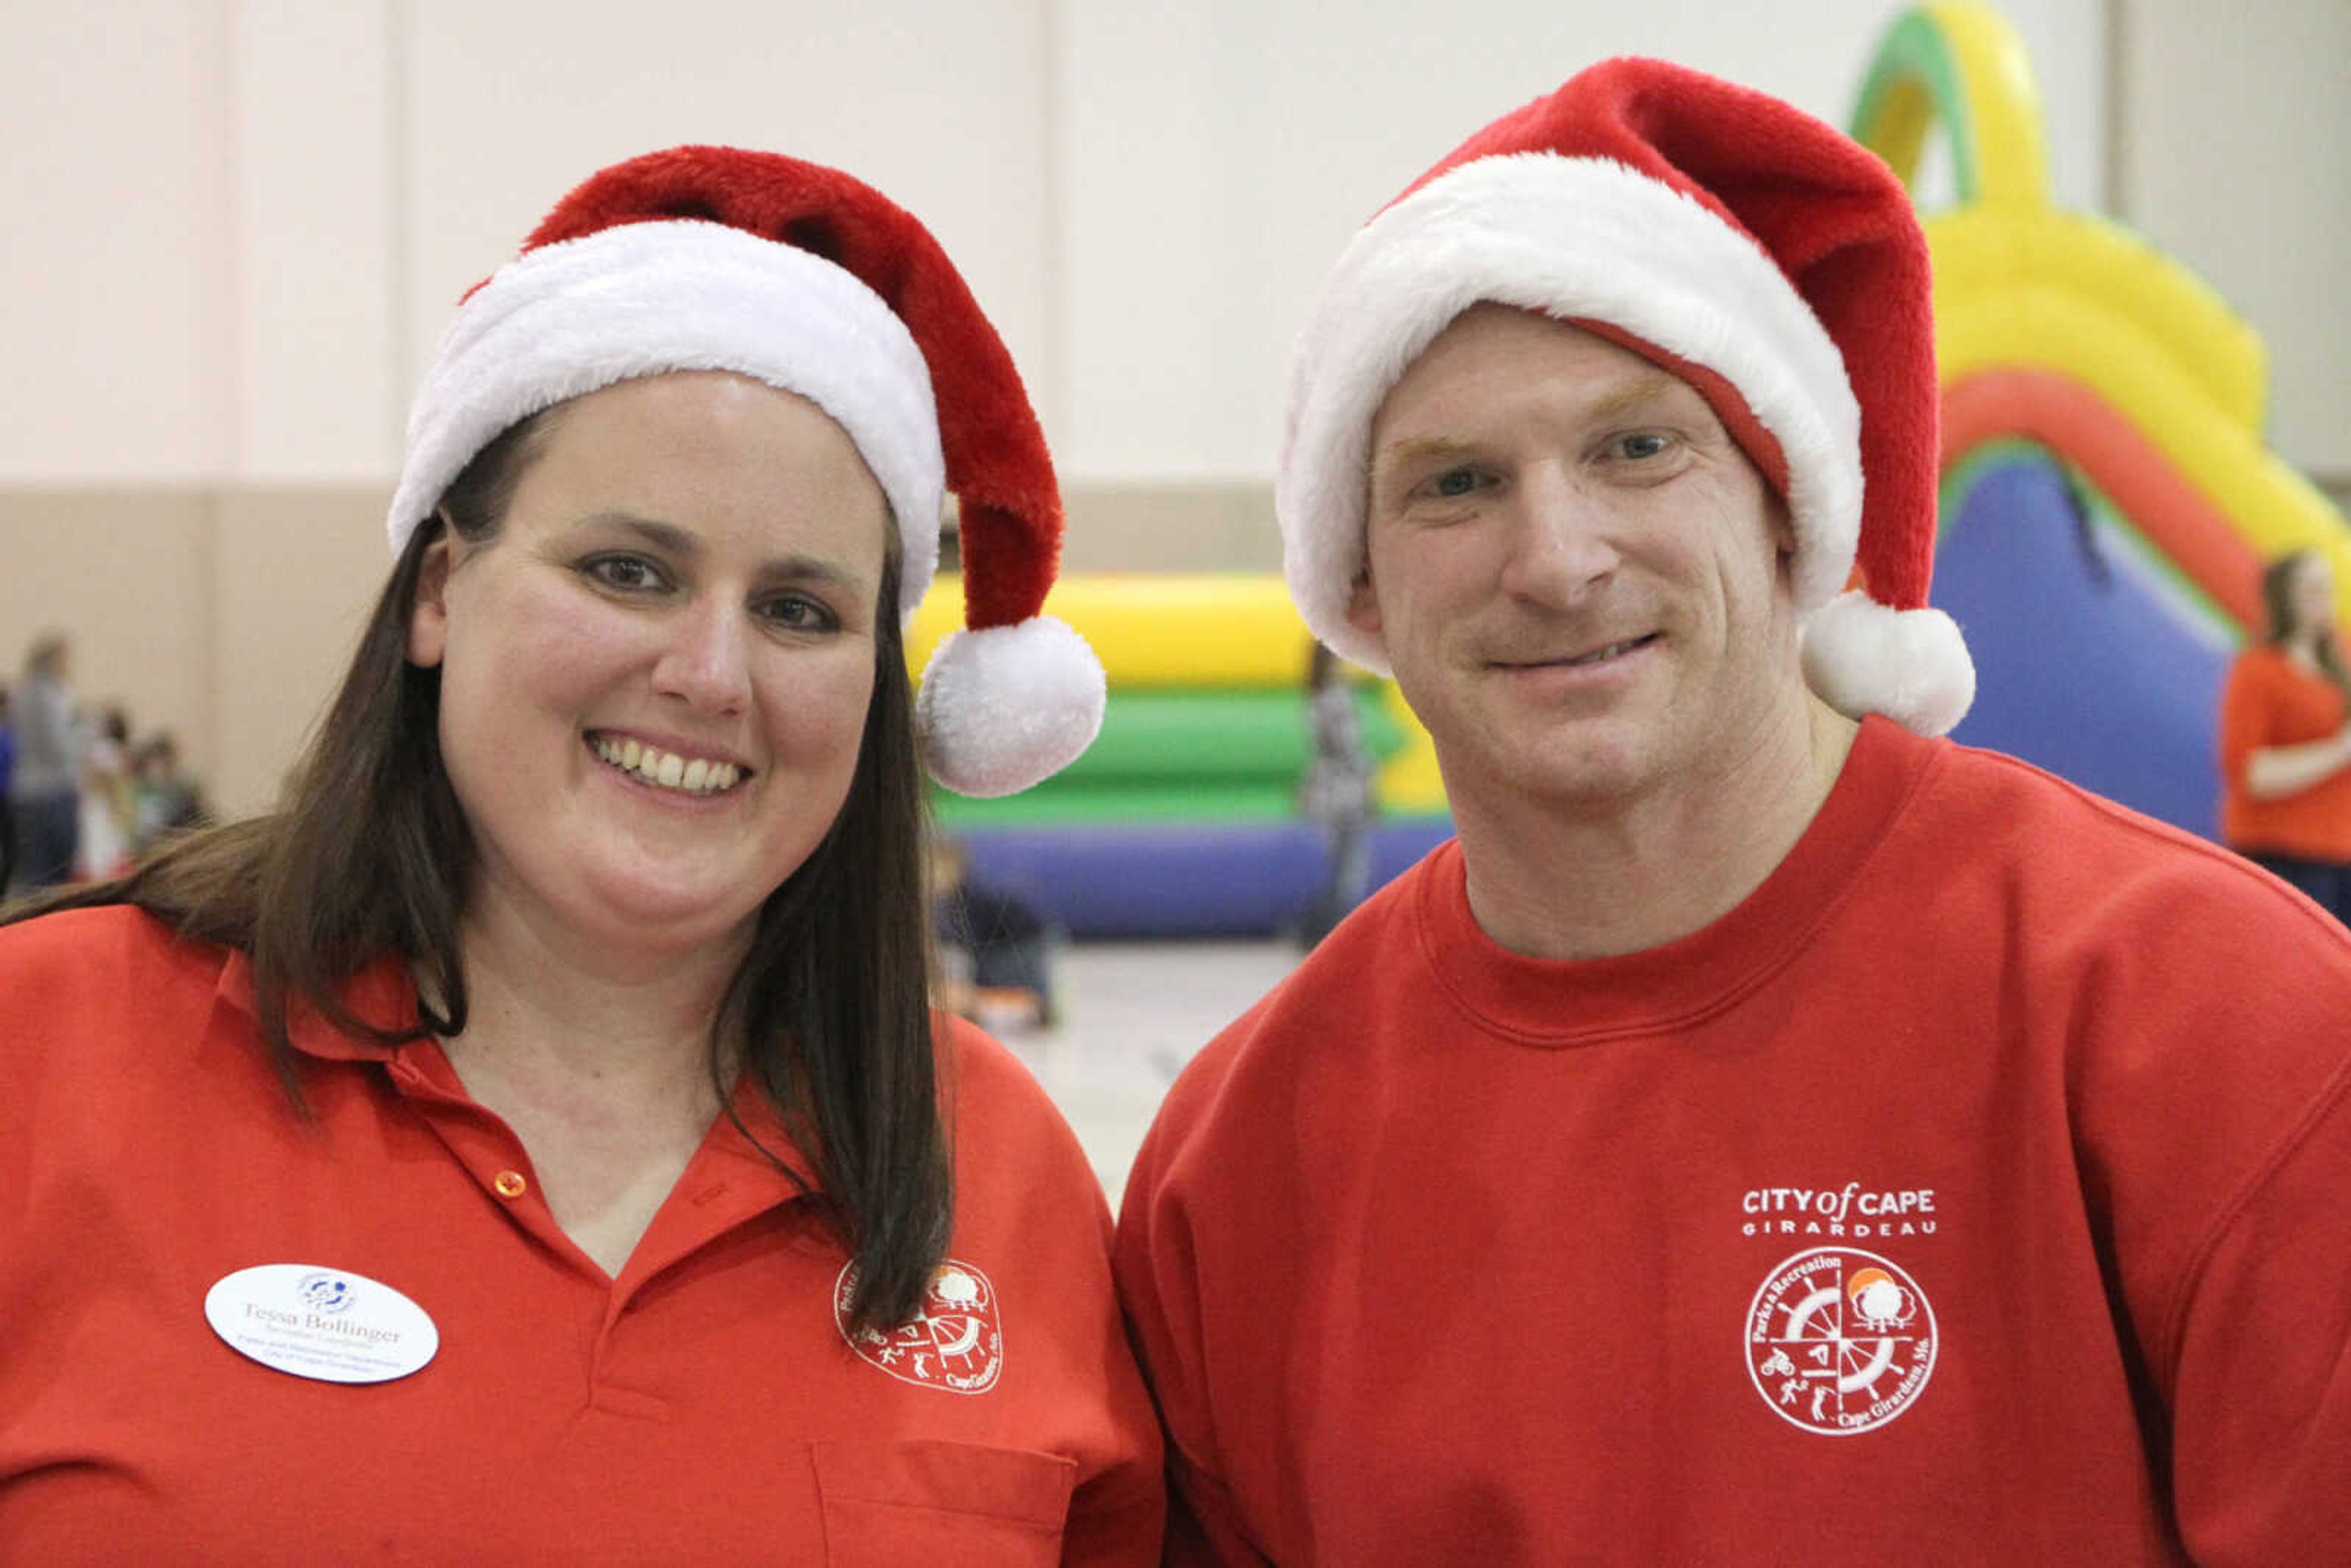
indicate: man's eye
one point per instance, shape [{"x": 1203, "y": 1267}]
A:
[
  {"x": 1454, "y": 483},
  {"x": 623, "y": 571},
  {"x": 1647, "y": 444}
]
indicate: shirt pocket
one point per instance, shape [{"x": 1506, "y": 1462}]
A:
[{"x": 941, "y": 1504}]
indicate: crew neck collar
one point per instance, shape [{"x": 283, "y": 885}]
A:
[{"x": 1554, "y": 1003}]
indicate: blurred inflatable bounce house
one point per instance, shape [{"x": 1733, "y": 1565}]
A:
[
  {"x": 1182, "y": 819},
  {"x": 2108, "y": 495},
  {"x": 2108, "y": 498}
]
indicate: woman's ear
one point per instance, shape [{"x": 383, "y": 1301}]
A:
[{"x": 428, "y": 618}]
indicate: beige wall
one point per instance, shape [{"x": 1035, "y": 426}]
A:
[
  {"x": 254, "y": 214},
  {"x": 221, "y": 613},
  {"x": 128, "y": 574},
  {"x": 2235, "y": 155}
]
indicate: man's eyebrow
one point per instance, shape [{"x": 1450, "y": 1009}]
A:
[
  {"x": 1638, "y": 393},
  {"x": 1422, "y": 449},
  {"x": 1634, "y": 393}
]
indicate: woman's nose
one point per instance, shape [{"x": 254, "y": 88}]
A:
[{"x": 706, "y": 662}]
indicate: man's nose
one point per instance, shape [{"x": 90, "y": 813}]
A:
[{"x": 1563, "y": 540}]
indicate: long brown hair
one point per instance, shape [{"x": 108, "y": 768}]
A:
[
  {"x": 2277, "y": 603},
  {"x": 830, "y": 1005}
]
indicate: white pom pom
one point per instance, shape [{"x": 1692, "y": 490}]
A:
[
  {"x": 1009, "y": 706},
  {"x": 1911, "y": 665}
]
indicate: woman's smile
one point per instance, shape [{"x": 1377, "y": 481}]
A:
[{"x": 668, "y": 770}]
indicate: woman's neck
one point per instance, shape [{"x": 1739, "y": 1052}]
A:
[
  {"x": 601, "y": 1070},
  {"x": 543, "y": 1005}
]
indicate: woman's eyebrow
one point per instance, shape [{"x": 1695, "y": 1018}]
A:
[
  {"x": 810, "y": 568},
  {"x": 686, "y": 545},
  {"x": 666, "y": 536}
]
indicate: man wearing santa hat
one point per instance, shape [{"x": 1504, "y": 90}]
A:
[{"x": 1768, "y": 1127}]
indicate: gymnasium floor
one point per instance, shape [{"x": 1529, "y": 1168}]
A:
[{"x": 1132, "y": 1014}]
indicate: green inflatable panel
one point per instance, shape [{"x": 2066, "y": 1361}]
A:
[
  {"x": 1056, "y": 804},
  {"x": 1157, "y": 737}
]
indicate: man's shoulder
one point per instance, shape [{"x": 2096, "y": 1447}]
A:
[
  {"x": 2075, "y": 867},
  {"x": 2013, "y": 812}
]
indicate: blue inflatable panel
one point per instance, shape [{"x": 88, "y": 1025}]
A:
[
  {"x": 2089, "y": 662},
  {"x": 1177, "y": 879}
]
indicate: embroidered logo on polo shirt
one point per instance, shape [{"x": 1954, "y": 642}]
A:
[
  {"x": 955, "y": 1341},
  {"x": 1840, "y": 1341}
]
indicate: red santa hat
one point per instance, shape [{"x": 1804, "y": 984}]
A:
[
  {"x": 800, "y": 277},
  {"x": 1761, "y": 255}
]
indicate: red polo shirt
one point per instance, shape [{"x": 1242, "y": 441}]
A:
[{"x": 705, "y": 1406}]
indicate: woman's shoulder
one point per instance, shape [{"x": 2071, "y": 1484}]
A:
[
  {"x": 1030, "y": 1209},
  {"x": 2263, "y": 663},
  {"x": 110, "y": 959},
  {"x": 985, "y": 1076},
  {"x": 1002, "y": 1117}
]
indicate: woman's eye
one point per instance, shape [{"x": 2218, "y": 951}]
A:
[
  {"x": 1454, "y": 484},
  {"x": 1643, "y": 443},
  {"x": 797, "y": 613},
  {"x": 628, "y": 573}
]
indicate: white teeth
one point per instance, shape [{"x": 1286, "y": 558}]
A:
[
  {"x": 698, "y": 776},
  {"x": 1610, "y": 652}
]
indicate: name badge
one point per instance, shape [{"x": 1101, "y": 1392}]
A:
[{"x": 325, "y": 1323}]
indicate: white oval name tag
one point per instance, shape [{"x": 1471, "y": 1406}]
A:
[{"x": 325, "y": 1323}]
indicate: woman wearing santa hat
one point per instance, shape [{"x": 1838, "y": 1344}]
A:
[{"x": 533, "y": 1142}]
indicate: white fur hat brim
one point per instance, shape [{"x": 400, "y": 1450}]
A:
[
  {"x": 641, "y": 299},
  {"x": 1571, "y": 237}
]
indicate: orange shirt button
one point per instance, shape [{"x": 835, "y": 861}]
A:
[{"x": 510, "y": 1183}]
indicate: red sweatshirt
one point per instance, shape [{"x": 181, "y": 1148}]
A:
[
  {"x": 707, "y": 1407},
  {"x": 1973, "y": 1193}
]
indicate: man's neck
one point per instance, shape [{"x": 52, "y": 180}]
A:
[{"x": 1564, "y": 879}]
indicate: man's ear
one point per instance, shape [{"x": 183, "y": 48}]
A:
[
  {"x": 1364, "y": 603},
  {"x": 1783, "y": 527},
  {"x": 428, "y": 618}
]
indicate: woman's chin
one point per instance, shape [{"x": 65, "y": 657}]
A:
[{"x": 663, "y": 909}]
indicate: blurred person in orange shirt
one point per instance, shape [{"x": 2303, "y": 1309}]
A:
[{"x": 2286, "y": 749}]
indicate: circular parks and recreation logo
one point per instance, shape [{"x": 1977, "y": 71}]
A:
[
  {"x": 1840, "y": 1341},
  {"x": 955, "y": 1340}
]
